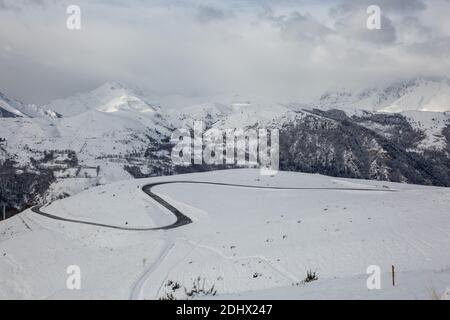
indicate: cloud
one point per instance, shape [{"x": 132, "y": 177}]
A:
[
  {"x": 350, "y": 16},
  {"x": 432, "y": 48},
  {"x": 206, "y": 13},
  {"x": 411, "y": 30},
  {"x": 286, "y": 50},
  {"x": 23, "y": 4},
  {"x": 343, "y": 7},
  {"x": 352, "y": 26},
  {"x": 298, "y": 26}
]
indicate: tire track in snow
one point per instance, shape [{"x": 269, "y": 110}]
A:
[
  {"x": 136, "y": 291},
  {"x": 278, "y": 269}
]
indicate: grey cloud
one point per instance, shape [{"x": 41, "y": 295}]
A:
[
  {"x": 350, "y": 17},
  {"x": 353, "y": 27},
  {"x": 343, "y": 7},
  {"x": 287, "y": 50},
  {"x": 431, "y": 48},
  {"x": 412, "y": 30},
  {"x": 299, "y": 26},
  {"x": 404, "y": 6},
  {"x": 23, "y": 4},
  {"x": 207, "y": 13}
]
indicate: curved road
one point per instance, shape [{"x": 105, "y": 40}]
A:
[{"x": 181, "y": 218}]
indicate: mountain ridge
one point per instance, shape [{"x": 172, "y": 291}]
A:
[{"x": 117, "y": 133}]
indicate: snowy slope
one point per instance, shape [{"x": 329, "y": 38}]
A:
[
  {"x": 10, "y": 107},
  {"x": 14, "y": 108},
  {"x": 233, "y": 114},
  {"x": 110, "y": 97},
  {"x": 103, "y": 130},
  {"x": 419, "y": 94},
  {"x": 247, "y": 242},
  {"x": 112, "y": 120},
  {"x": 432, "y": 125}
]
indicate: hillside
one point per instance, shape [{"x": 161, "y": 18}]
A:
[{"x": 298, "y": 223}]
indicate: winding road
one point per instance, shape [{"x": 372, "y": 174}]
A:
[
  {"x": 137, "y": 289},
  {"x": 181, "y": 218}
]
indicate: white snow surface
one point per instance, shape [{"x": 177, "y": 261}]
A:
[
  {"x": 418, "y": 94},
  {"x": 247, "y": 242}
]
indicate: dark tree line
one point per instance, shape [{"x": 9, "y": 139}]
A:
[{"x": 21, "y": 188}]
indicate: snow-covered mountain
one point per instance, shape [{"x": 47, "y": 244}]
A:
[
  {"x": 419, "y": 94},
  {"x": 233, "y": 114},
  {"x": 110, "y": 97},
  {"x": 118, "y": 132},
  {"x": 12, "y": 108}
]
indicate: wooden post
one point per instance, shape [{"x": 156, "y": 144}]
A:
[
  {"x": 393, "y": 276},
  {"x": 4, "y": 212}
]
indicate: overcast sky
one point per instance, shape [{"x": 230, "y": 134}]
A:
[{"x": 281, "y": 49}]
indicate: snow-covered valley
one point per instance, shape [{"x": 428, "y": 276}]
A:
[{"x": 247, "y": 242}]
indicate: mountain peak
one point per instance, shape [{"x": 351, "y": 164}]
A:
[
  {"x": 416, "y": 94},
  {"x": 112, "y": 96}
]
